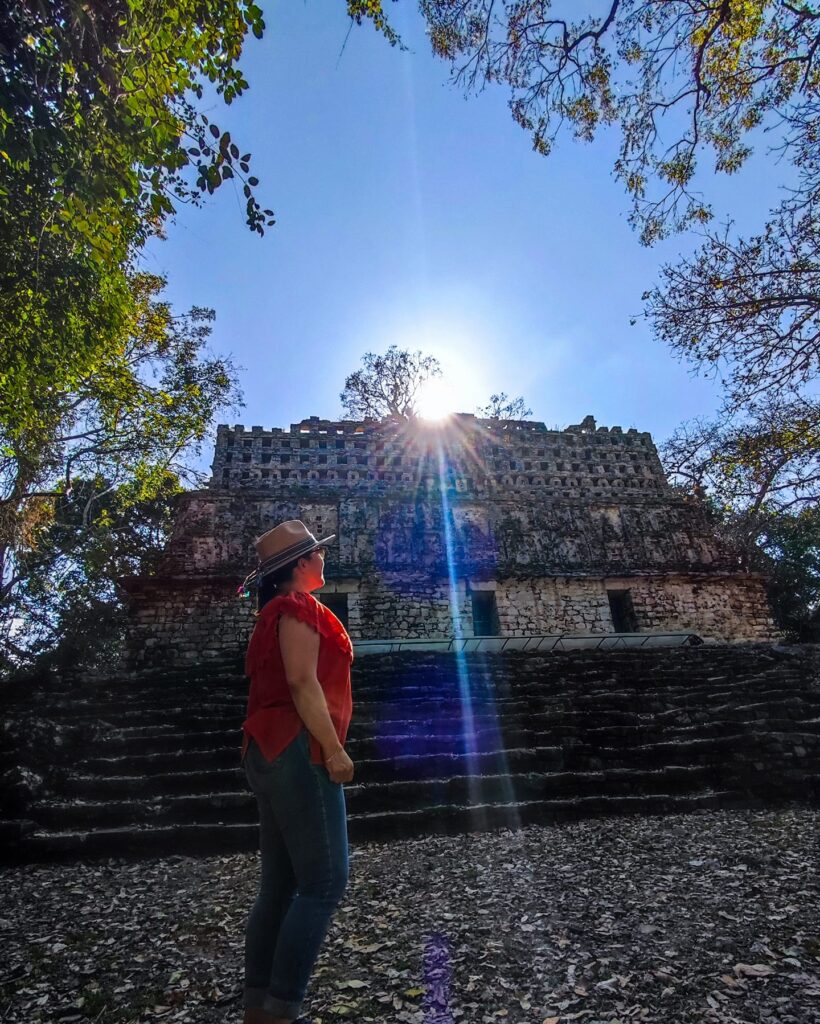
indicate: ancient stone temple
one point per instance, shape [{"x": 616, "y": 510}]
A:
[{"x": 470, "y": 527}]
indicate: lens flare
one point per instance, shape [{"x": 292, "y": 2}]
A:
[
  {"x": 464, "y": 741},
  {"x": 435, "y": 400},
  {"x": 474, "y": 740}
]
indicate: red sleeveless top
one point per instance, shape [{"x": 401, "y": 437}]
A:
[{"x": 272, "y": 719}]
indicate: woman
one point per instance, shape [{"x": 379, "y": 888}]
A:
[{"x": 299, "y": 709}]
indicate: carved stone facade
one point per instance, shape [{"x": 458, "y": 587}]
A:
[{"x": 470, "y": 527}]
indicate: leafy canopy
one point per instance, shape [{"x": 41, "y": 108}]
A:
[
  {"x": 119, "y": 437},
  {"x": 768, "y": 462},
  {"x": 760, "y": 477},
  {"x": 748, "y": 309},
  {"x": 388, "y": 385},
  {"x": 99, "y": 139},
  {"x": 679, "y": 79},
  {"x": 502, "y": 407},
  {"x": 67, "y": 597},
  {"x": 792, "y": 545},
  {"x": 681, "y": 83},
  {"x": 97, "y": 113}
]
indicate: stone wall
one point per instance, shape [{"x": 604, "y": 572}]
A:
[
  {"x": 412, "y": 606},
  {"x": 178, "y": 621},
  {"x": 720, "y": 608},
  {"x": 190, "y": 621},
  {"x": 424, "y": 516},
  {"x": 470, "y": 497},
  {"x": 464, "y": 455},
  {"x": 528, "y": 535}
]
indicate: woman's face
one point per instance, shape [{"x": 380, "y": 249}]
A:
[{"x": 314, "y": 569}]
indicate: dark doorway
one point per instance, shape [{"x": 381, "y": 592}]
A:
[
  {"x": 623, "y": 614},
  {"x": 485, "y": 613},
  {"x": 337, "y": 603}
]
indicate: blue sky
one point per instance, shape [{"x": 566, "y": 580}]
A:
[{"x": 409, "y": 214}]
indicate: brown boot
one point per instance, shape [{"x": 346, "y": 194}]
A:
[{"x": 257, "y": 1016}]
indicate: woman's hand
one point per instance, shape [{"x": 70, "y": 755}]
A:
[{"x": 339, "y": 766}]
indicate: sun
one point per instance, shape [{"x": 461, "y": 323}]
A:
[{"x": 435, "y": 400}]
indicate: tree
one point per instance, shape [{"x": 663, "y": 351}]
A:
[
  {"x": 106, "y": 441},
  {"x": 371, "y": 10},
  {"x": 760, "y": 478},
  {"x": 97, "y": 112},
  {"x": 680, "y": 79},
  {"x": 682, "y": 82},
  {"x": 501, "y": 407},
  {"x": 769, "y": 462},
  {"x": 792, "y": 545},
  {"x": 99, "y": 139},
  {"x": 748, "y": 309},
  {"x": 389, "y": 384},
  {"x": 67, "y": 597}
]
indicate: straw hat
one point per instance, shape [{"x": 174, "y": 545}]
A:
[{"x": 284, "y": 543}]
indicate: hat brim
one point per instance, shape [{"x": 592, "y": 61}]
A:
[{"x": 290, "y": 554}]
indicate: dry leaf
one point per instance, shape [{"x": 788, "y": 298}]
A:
[{"x": 753, "y": 970}]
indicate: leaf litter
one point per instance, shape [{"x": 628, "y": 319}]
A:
[{"x": 710, "y": 917}]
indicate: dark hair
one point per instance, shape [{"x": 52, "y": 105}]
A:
[{"x": 270, "y": 584}]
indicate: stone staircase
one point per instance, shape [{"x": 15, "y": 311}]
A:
[{"x": 440, "y": 743}]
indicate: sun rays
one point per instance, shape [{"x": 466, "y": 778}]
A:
[{"x": 453, "y": 455}]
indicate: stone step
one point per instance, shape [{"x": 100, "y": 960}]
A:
[
  {"x": 623, "y": 710},
  {"x": 604, "y": 699},
  {"x": 169, "y": 740},
  {"x": 488, "y": 739},
  {"x": 710, "y": 662},
  {"x": 552, "y": 736},
  {"x": 558, "y": 726},
  {"x": 645, "y": 749},
  {"x": 751, "y": 746},
  {"x": 13, "y": 830},
  {"x": 166, "y": 740},
  {"x": 738, "y": 751},
  {"x": 614, "y": 690},
  {"x": 392, "y": 747},
  {"x": 449, "y": 820},
  {"x": 96, "y": 787},
  {"x": 571, "y": 686},
  {"x": 623, "y": 701},
  {"x": 370, "y": 797},
  {"x": 197, "y": 839},
  {"x": 415, "y": 766},
  {"x": 526, "y": 673}
]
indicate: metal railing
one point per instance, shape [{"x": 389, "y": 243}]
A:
[{"x": 542, "y": 642}]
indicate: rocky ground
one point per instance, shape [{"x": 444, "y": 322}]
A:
[{"x": 711, "y": 917}]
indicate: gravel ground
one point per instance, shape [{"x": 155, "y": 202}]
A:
[{"x": 709, "y": 917}]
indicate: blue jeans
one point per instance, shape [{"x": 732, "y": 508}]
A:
[{"x": 304, "y": 872}]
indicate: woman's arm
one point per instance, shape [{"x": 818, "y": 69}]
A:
[{"x": 299, "y": 645}]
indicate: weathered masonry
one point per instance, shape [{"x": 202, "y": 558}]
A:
[{"x": 472, "y": 527}]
